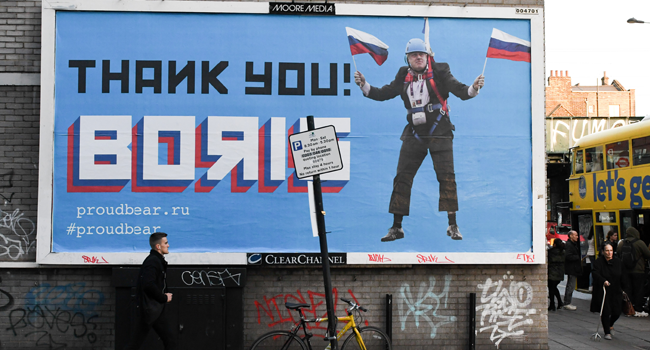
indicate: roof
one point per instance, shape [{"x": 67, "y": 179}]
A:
[
  {"x": 621, "y": 133},
  {"x": 600, "y": 88}
]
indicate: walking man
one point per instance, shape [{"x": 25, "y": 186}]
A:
[
  {"x": 152, "y": 297},
  {"x": 572, "y": 267},
  {"x": 634, "y": 278},
  {"x": 424, "y": 87}
]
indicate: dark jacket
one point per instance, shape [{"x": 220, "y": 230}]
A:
[
  {"x": 641, "y": 251},
  {"x": 610, "y": 271},
  {"x": 556, "y": 264},
  {"x": 445, "y": 82},
  {"x": 572, "y": 258},
  {"x": 152, "y": 278}
]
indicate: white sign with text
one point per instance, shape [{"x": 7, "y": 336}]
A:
[{"x": 315, "y": 152}]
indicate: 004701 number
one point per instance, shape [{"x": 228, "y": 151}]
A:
[{"x": 527, "y": 11}]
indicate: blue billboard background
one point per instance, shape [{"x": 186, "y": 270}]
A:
[{"x": 492, "y": 144}]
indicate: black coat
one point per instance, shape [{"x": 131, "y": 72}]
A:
[
  {"x": 556, "y": 264},
  {"x": 572, "y": 258},
  {"x": 152, "y": 278},
  {"x": 445, "y": 82},
  {"x": 610, "y": 271}
]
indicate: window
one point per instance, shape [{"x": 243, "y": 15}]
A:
[
  {"x": 591, "y": 109},
  {"x": 618, "y": 155},
  {"x": 613, "y": 111},
  {"x": 578, "y": 162},
  {"x": 594, "y": 159},
  {"x": 605, "y": 217},
  {"x": 641, "y": 150}
]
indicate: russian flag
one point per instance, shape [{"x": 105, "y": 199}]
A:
[
  {"x": 508, "y": 47},
  {"x": 361, "y": 42}
]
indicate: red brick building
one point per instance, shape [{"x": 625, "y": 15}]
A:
[{"x": 604, "y": 100}]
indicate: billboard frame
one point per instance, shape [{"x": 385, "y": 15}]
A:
[{"x": 45, "y": 254}]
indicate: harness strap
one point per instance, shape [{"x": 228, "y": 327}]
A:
[{"x": 435, "y": 88}]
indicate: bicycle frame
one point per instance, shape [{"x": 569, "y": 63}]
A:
[{"x": 350, "y": 324}]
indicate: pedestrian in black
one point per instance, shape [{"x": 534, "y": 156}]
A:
[
  {"x": 555, "y": 273},
  {"x": 424, "y": 86},
  {"x": 152, "y": 297},
  {"x": 572, "y": 268},
  {"x": 634, "y": 279},
  {"x": 607, "y": 273}
]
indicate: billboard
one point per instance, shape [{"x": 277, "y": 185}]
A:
[{"x": 176, "y": 118}]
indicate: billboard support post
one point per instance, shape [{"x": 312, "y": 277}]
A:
[{"x": 320, "y": 220}]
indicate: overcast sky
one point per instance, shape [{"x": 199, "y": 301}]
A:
[{"x": 589, "y": 37}]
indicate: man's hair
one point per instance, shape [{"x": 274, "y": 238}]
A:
[{"x": 155, "y": 238}]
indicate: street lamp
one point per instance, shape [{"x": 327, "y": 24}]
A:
[{"x": 634, "y": 20}]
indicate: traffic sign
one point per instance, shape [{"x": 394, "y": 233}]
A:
[{"x": 315, "y": 152}]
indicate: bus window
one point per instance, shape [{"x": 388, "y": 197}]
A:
[
  {"x": 605, "y": 217},
  {"x": 578, "y": 162},
  {"x": 641, "y": 150},
  {"x": 618, "y": 155},
  {"x": 594, "y": 158}
]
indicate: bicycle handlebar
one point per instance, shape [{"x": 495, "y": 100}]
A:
[{"x": 354, "y": 306}]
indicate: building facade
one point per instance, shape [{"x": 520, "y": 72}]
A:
[{"x": 574, "y": 111}]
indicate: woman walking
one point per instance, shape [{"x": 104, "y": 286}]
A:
[{"x": 607, "y": 272}]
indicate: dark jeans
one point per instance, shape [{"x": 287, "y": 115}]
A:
[
  {"x": 570, "y": 286},
  {"x": 162, "y": 326},
  {"x": 633, "y": 286},
  {"x": 411, "y": 156},
  {"x": 553, "y": 293}
]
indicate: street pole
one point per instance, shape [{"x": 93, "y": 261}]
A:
[{"x": 320, "y": 220}]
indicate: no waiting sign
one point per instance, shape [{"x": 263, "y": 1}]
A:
[{"x": 315, "y": 152}]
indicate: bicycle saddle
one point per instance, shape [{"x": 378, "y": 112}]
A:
[{"x": 293, "y": 306}]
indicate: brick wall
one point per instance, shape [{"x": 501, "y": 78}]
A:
[
  {"x": 560, "y": 92},
  {"x": 430, "y": 303},
  {"x": 56, "y": 309},
  {"x": 20, "y": 36},
  {"x": 74, "y": 308},
  {"x": 19, "y": 127}
]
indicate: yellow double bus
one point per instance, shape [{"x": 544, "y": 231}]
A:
[{"x": 609, "y": 186}]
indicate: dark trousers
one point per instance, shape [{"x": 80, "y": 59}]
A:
[
  {"x": 554, "y": 293},
  {"x": 411, "y": 156},
  {"x": 633, "y": 286},
  {"x": 162, "y": 326},
  {"x": 608, "y": 318}
]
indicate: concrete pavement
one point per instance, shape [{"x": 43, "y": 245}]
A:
[{"x": 574, "y": 329}]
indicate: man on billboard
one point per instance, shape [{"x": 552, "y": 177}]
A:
[{"x": 429, "y": 130}]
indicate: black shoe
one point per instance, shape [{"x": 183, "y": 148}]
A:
[
  {"x": 551, "y": 308},
  {"x": 560, "y": 306},
  {"x": 393, "y": 234},
  {"x": 454, "y": 233}
]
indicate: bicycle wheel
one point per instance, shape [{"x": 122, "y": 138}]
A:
[
  {"x": 373, "y": 338},
  {"x": 278, "y": 340}
]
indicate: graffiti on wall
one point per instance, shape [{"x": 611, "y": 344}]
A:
[
  {"x": 209, "y": 278},
  {"x": 563, "y": 133},
  {"x": 17, "y": 234},
  {"x": 55, "y": 313},
  {"x": 504, "y": 309},
  {"x": 426, "y": 306},
  {"x": 6, "y": 176},
  {"x": 273, "y": 308}
]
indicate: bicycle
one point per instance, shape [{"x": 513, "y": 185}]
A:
[{"x": 361, "y": 338}]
